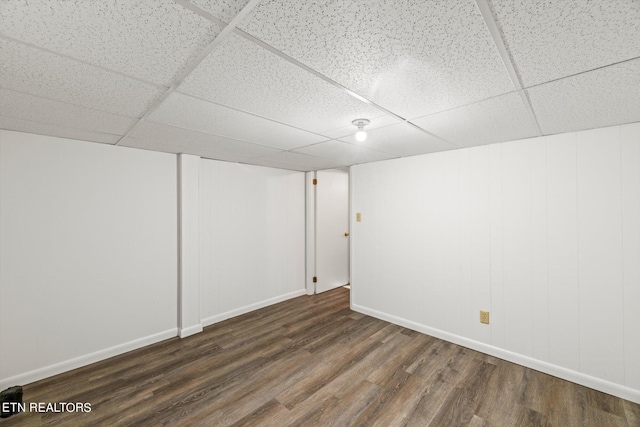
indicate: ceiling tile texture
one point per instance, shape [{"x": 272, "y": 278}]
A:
[
  {"x": 402, "y": 139},
  {"x": 589, "y": 100},
  {"x": 549, "y": 40},
  {"x": 154, "y": 136},
  {"x": 197, "y": 114},
  {"x": 40, "y": 128},
  {"x": 277, "y": 83},
  {"x": 245, "y": 76},
  {"x": 34, "y": 108},
  {"x": 225, "y": 10},
  {"x": 150, "y": 40},
  {"x": 412, "y": 57},
  {"x": 344, "y": 152},
  {"x": 42, "y": 73},
  {"x": 498, "y": 119}
]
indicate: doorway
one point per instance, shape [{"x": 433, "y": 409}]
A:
[{"x": 327, "y": 230}]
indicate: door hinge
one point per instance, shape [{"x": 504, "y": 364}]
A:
[
  {"x": 315, "y": 181},
  {"x": 315, "y": 279}
]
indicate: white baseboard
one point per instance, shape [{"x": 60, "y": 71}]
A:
[
  {"x": 190, "y": 330},
  {"x": 246, "y": 309},
  {"x": 87, "y": 359},
  {"x": 539, "y": 365}
]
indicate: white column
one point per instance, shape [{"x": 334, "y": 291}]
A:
[{"x": 188, "y": 210}]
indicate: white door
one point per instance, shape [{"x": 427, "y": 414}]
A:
[{"x": 332, "y": 228}]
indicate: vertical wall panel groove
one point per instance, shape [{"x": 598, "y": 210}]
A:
[
  {"x": 599, "y": 260},
  {"x": 563, "y": 248},
  {"x": 539, "y": 252},
  {"x": 497, "y": 246}
]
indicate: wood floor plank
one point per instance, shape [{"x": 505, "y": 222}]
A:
[
  {"x": 311, "y": 361},
  {"x": 564, "y": 403},
  {"x": 264, "y": 416},
  {"x": 632, "y": 412},
  {"x": 605, "y": 402},
  {"x": 350, "y": 407},
  {"x": 401, "y": 359},
  {"x": 460, "y": 406},
  {"x": 476, "y": 421},
  {"x": 440, "y": 384},
  {"x": 595, "y": 417},
  {"x": 387, "y": 332},
  {"x": 259, "y": 389},
  {"x": 435, "y": 357},
  {"x": 502, "y": 394},
  {"x": 332, "y": 367},
  {"x": 529, "y": 418},
  {"x": 382, "y": 404},
  {"x": 397, "y": 410},
  {"x": 344, "y": 384},
  {"x": 309, "y": 412}
]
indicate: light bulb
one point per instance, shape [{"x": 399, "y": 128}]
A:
[{"x": 361, "y": 135}]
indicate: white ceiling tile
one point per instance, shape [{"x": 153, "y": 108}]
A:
[
  {"x": 224, "y": 10},
  {"x": 148, "y": 39},
  {"x": 151, "y": 135},
  {"x": 243, "y": 75},
  {"x": 296, "y": 161},
  {"x": 24, "y": 106},
  {"x": 411, "y": 57},
  {"x": 401, "y": 139},
  {"x": 33, "y": 71},
  {"x": 553, "y": 39},
  {"x": 21, "y": 125},
  {"x": 344, "y": 152},
  {"x": 196, "y": 149},
  {"x": 192, "y": 113},
  {"x": 350, "y": 129},
  {"x": 604, "y": 97},
  {"x": 499, "y": 119}
]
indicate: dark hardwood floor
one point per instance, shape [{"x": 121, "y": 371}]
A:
[{"x": 312, "y": 361}]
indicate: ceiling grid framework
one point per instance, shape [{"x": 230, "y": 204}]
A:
[
  {"x": 492, "y": 26},
  {"x": 278, "y": 82},
  {"x": 193, "y": 64}
]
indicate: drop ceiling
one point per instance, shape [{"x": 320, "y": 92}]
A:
[{"x": 277, "y": 82}]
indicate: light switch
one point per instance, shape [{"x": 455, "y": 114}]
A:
[{"x": 358, "y": 217}]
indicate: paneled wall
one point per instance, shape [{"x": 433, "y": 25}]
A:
[
  {"x": 88, "y": 253},
  {"x": 544, "y": 233},
  {"x": 252, "y": 238}
]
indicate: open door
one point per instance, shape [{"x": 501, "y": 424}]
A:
[{"x": 331, "y": 229}]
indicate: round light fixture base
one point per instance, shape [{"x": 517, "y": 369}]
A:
[{"x": 360, "y": 122}]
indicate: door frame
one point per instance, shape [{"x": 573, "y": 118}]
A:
[{"x": 310, "y": 230}]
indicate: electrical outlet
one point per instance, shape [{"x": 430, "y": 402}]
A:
[{"x": 484, "y": 317}]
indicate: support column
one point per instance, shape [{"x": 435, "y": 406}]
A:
[{"x": 188, "y": 253}]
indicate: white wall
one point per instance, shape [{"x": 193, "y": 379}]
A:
[
  {"x": 544, "y": 233},
  {"x": 252, "y": 238},
  {"x": 88, "y": 253}
]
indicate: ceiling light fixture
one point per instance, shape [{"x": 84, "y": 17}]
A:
[{"x": 361, "y": 135}]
